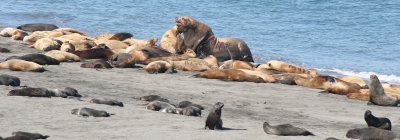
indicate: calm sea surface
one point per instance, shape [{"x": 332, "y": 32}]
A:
[{"x": 357, "y": 37}]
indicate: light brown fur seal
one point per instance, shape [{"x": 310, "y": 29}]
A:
[
  {"x": 159, "y": 67},
  {"x": 354, "y": 79},
  {"x": 329, "y": 83},
  {"x": 214, "y": 120},
  {"x": 200, "y": 38},
  {"x": 21, "y": 65},
  {"x": 47, "y": 44},
  {"x": 172, "y": 41},
  {"x": 7, "y": 32},
  {"x": 112, "y": 44},
  {"x": 63, "y": 56},
  {"x": 231, "y": 75},
  {"x": 377, "y": 94},
  {"x": 196, "y": 64},
  {"x": 285, "y": 67},
  {"x": 236, "y": 64}
]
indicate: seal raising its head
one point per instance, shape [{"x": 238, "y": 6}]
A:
[
  {"x": 285, "y": 130},
  {"x": 382, "y": 123},
  {"x": 214, "y": 120},
  {"x": 377, "y": 94}
]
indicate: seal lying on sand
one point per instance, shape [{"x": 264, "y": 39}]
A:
[
  {"x": 30, "y": 135},
  {"x": 151, "y": 98},
  {"x": 30, "y": 92},
  {"x": 285, "y": 67},
  {"x": 86, "y": 112},
  {"x": 377, "y": 94},
  {"x": 21, "y": 65},
  {"x": 162, "y": 107},
  {"x": 285, "y": 130},
  {"x": 382, "y": 123},
  {"x": 184, "y": 104},
  {"x": 159, "y": 67},
  {"x": 40, "y": 59},
  {"x": 107, "y": 102},
  {"x": 371, "y": 133},
  {"x": 122, "y": 60},
  {"x": 191, "y": 111},
  {"x": 4, "y": 50},
  {"x": 96, "y": 64},
  {"x": 214, "y": 120},
  {"x": 63, "y": 56},
  {"x": 67, "y": 92},
  {"x": 9, "y": 80},
  {"x": 37, "y": 27},
  {"x": 329, "y": 83}
]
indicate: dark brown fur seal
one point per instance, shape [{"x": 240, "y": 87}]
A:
[
  {"x": 184, "y": 104},
  {"x": 4, "y": 50},
  {"x": 382, "y": 123},
  {"x": 17, "y": 138},
  {"x": 214, "y": 120},
  {"x": 122, "y": 60},
  {"x": 40, "y": 59},
  {"x": 149, "y": 52},
  {"x": 285, "y": 130},
  {"x": 377, "y": 94},
  {"x": 9, "y": 80},
  {"x": 66, "y": 92},
  {"x": 96, "y": 64},
  {"x": 107, "y": 102},
  {"x": 30, "y": 92},
  {"x": 151, "y": 98},
  {"x": 30, "y": 135},
  {"x": 86, "y": 112},
  {"x": 37, "y": 27},
  {"x": 200, "y": 38},
  {"x": 371, "y": 133},
  {"x": 121, "y": 36},
  {"x": 191, "y": 111}
]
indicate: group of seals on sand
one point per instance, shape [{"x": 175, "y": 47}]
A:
[{"x": 157, "y": 103}]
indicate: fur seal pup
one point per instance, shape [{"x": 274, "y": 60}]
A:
[
  {"x": 377, "y": 94},
  {"x": 9, "y": 80},
  {"x": 4, "y": 50},
  {"x": 382, "y": 123},
  {"x": 191, "y": 111},
  {"x": 63, "y": 56},
  {"x": 107, "y": 102},
  {"x": 96, "y": 64},
  {"x": 31, "y": 27},
  {"x": 30, "y": 135},
  {"x": 200, "y": 38},
  {"x": 151, "y": 98},
  {"x": 214, "y": 120},
  {"x": 184, "y": 104},
  {"x": 37, "y": 58},
  {"x": 21, "y": 65},
  {"x": 285, "y": 130},
  {"x": 162, "y": 107},
  {"x": 66, "y": 92},
  {"x": 30, "y": 92},
  {"x": 159, "y": 67},
  {"x": 371, "y": 133},
  {"x": 86, "y": 112},
  {"x": 122, "y": 60}
]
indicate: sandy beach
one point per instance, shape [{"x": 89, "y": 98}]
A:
[{"x": 247, "y": 105}]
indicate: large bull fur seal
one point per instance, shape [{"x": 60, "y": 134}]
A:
[{"x": 377, "y": 94}]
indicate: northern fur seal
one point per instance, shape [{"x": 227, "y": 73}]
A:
[
  {"x": 103, "y": 52},
  {"x": 4, "y": 50},
  {"x": 236, "y": 64},
  {"x": 86, "y": 112},
  {"x": 214, "y": 120},
  {"x": 151, "y": 98},
  {"x": 9, "y": 80},
  {"x": 377, "y": 94},
  {"x": 196, "y": 64},
  {"x": 285, "y": 67},
  {"x": 200, "y": 38},
  {"x": 30, "y": 92},
  {"x": 96, "y": 64},
  {"x": 66, "y": 92},
  {"x": 63, "y": 56},
  {"x": 371, "y": 133},
  {"x": 107, "y": 102},
  {"x": 37, "y": 58},
  {"x": 285, "y": 130},
  {"x": 21, "y": 65},
  {"x": 162, "y": 107},
  {"x": 184, "y": 104},
  {"x": 382, "y": 123},
  {"x": 117, "y": 36},
  {"x": 47, "y": 44},
  {"x": 172, "y": 41},
  {"x": 122, "y": 60},
  {"x": 37, "y": 27},
  {"x": 19, "y": 35},
  {"x": 30, "y": 135},
  {"x": 17, "y": 138},
  {"x": 191, "y": 111},
  {"x": 231, "y": 75}
]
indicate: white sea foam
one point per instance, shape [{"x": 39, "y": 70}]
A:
[{"x": 395, "y": 79}]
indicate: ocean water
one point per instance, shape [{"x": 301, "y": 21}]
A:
[{"x": 342, "y": 37}]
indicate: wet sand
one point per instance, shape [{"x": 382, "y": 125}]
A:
[{"x": 247, "y": 105}]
